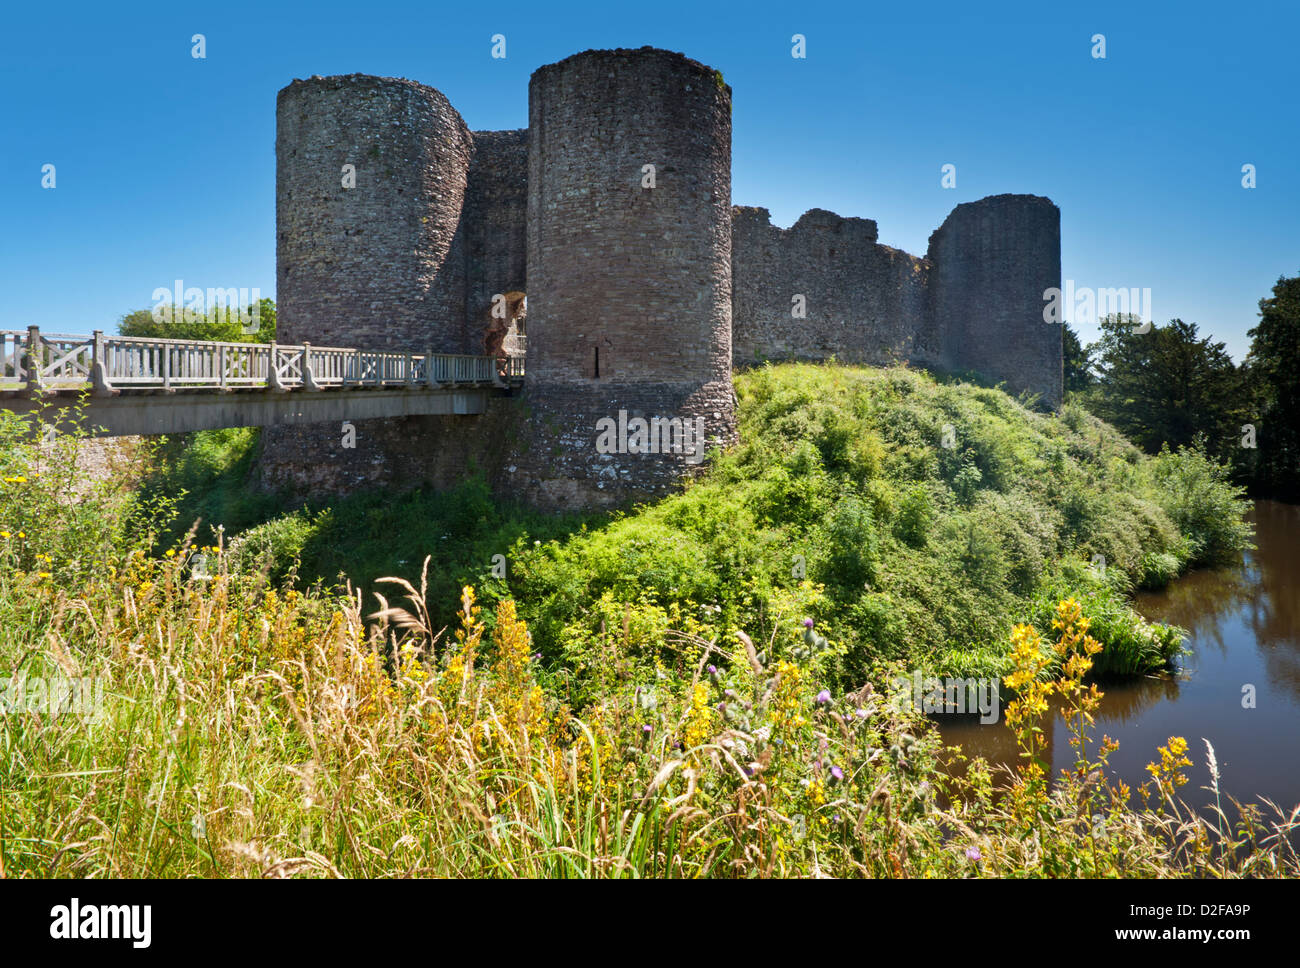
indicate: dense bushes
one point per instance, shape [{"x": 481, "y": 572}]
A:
[{"x": 913, "y": 520}]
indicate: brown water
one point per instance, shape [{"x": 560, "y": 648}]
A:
[{"x": 1244, "y": 630}]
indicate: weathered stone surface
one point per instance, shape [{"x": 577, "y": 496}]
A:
[
  {"x": 863, "y": 302},
  {"x": 495, "y": 223},
  {"x": 974, "y": 304},
  {"x": 629, "y": 302},
  {"x": 639, "y": 299},
  {"x": 992, "y": 260},
  {"x": 375, "y": 265},
  {"x": 400, "y": 454}
]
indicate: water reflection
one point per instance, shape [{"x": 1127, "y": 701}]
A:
[{"x": 1239, "y": 687}]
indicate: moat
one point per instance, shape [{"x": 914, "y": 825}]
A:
[{"x": 1238, "y": 686}]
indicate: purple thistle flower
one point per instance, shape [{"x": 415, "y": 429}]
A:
[
  {"x": 973, "y": 853},
  {"x": 807, "y": 623},
  {"x": 861, "y": 713},
  {"x": 823, "y": 697},
  {"x": 647, "y": 728},
  {"x": 713, "y": 670},
  {"x": 837, "y": 773}
]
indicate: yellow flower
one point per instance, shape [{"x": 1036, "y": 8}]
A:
[
  {"x": 171, "y": 552},
  {"x": 699, "y": 721},
  {"x": 1168, "y": 773},
  {"x": 43, "y": 574}
]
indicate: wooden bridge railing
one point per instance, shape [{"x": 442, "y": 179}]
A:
[{"x": 35, "y": 362}]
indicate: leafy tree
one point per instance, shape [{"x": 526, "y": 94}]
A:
[
  {"x": 1078, "y": 362},
  {"x": 1275, "y": 378},
  {"x": 1168, "y": 385},
  {"x": 219, "y": 324}
]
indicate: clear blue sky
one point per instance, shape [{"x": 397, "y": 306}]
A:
[{"x": 166, "y": 168}]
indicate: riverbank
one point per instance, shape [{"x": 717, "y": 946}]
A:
[{"x": 692, "y": 688}]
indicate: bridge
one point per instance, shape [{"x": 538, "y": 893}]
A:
[{"x": 142, "y": 385}]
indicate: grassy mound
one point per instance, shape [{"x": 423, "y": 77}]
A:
[{"x": 915, "y": 522}]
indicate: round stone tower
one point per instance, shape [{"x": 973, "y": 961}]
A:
[
  {"x": 629, "y": 275},
  {"x": 370, "y": 183},
  {"x": 991, "y": 263},
  {"x": 370, "y": 186}
]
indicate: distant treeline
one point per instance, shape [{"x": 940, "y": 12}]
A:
[
  {"x": 223, "y": 324},
  {"x": 1170, "y": 385}
]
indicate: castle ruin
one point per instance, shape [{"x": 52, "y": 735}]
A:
[{"x": 644, "y": 287}]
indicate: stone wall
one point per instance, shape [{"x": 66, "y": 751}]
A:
[
  {"x": 495, "y": 223},
  {"x": 400, "y": 454},
  {"x": 640, "y": 299},
  {"x": 863, "y": 302},
  {"x": 974, "y": 304},
  {"x": 381, "y": 264}
]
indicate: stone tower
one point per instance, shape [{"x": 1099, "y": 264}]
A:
[
  {"x": 379, "y": 264},
  {"x": 990, "y": 263},
  {"x": 629, "y": 271}
]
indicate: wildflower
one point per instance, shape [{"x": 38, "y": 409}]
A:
[
  {"x": 43, "y": 574},
  {"x": 860, "y": 713},
  {"x": 171, "y": 552},
  {"x": 787, "y": 700},
  {"x": 823, "y": 697},
  {"x": 807, "y": 623},
  {"x": 4, "y": 534},
  {"x": 699, "y": 719},
  {"x": 647, "y": 728},
  {"x": 973, "y": 853},
  {"x": 816, "y": 792},
  {"x": 1167, "y": 773},
  {"x": 837, "y": 773}
]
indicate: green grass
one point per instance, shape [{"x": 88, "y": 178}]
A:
[{"x": 915, "y": 521}]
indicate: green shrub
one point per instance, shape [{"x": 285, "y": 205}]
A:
[
  {"x": 1208, "y": 510},
  {"x": 915, "y": 516},
  {"x": 1130, "y": 644}
]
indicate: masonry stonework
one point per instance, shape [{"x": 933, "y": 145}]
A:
[
  {"x": 629, "y": 267},
  {"x": 378, "y": 264},
  {"x": 991, "y": 262},
  {"x": 860, "y": 301},
  {"x": 495, "y": 223},
  {"x": 612, "y": 213}
]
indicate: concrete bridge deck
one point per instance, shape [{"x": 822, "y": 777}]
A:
[{"x": 141, "y": 385}]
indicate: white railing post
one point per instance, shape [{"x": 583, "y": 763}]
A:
[
  {"x": 101, "y": 387},
  {"x": 273, "y": 381},
  {"x": 221, "y": 366},
  {"x": 166, "y": 352},
  {"x": 308, "y": 375},
  {"x": 35, "y": 359},
  {"x": 430, "y": 380}
]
